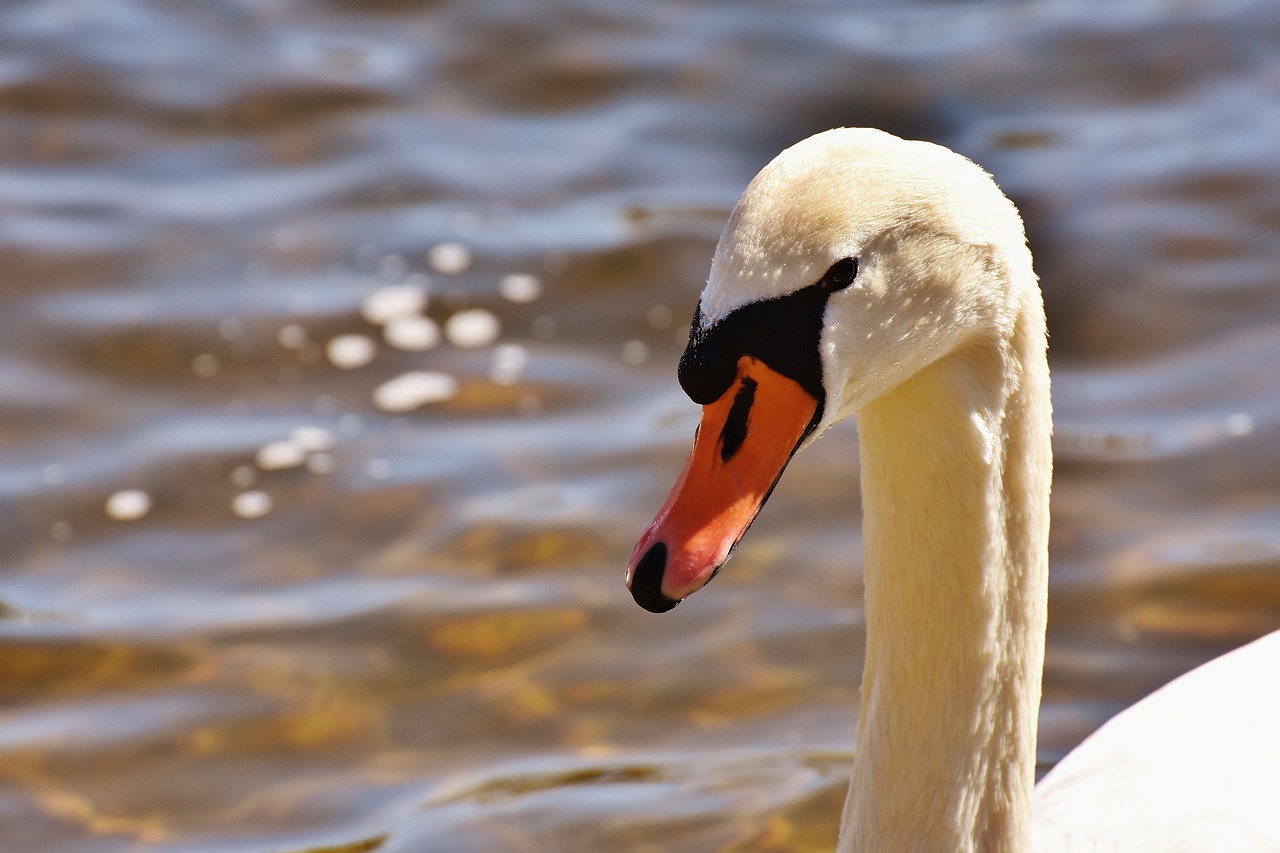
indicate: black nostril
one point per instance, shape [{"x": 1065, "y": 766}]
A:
[{"x": 646, "y": 580}]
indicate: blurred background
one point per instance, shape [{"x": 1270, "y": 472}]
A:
[{"x": 337, "y": 369}]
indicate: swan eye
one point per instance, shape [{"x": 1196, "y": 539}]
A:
[{"x": 841, "y": 274}]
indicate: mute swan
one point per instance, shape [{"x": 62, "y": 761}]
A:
[{"x": 864, "y": 273}]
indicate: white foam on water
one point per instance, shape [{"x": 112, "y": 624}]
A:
[
  {"x": 410, "y": 391},
  {"x": 351, "y": 351},
  {"x": 128, "y": 505},
  {"x": 413, "y": 334},
  {"x": 393, "y": 301},
  {"x": 251, "y": 504},
  {"x": 449, "y": 258},
  {"x": 472, "y": 328}
]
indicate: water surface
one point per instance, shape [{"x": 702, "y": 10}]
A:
[{"x": 257, "y": 597}]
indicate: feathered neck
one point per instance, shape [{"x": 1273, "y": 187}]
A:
[{"x": 956, "y": 467}]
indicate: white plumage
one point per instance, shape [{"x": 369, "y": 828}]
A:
[{"x": 939, "y": 347}]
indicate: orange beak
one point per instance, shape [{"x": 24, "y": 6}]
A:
[{"x": 743, "y": 443}]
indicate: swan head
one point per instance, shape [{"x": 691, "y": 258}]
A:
[{"x": 852, "y": 261}]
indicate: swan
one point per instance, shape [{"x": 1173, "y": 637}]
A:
[{"x": 863, "y": 273}]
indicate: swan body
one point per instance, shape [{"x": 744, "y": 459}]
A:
[
  {"x": 1191, "y": 767},
  {"x": 862, "y": 273}
]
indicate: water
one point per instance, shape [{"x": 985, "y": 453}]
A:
[{"x": 253, "y": 601}]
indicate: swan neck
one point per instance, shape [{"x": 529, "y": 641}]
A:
[{"x": 956, "y": 467}]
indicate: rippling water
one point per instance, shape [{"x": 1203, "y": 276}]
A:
[{"x": 338, "y": 366}]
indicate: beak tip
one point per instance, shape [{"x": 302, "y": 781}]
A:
[{"x": 646, "y": 580}]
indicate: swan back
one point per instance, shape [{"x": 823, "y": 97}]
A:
[{"x": 1191, "y": 767}]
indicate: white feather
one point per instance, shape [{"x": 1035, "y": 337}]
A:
[{"x": 939, "y": 346}]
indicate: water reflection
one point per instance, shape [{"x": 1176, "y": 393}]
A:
[{"x": 338, "y": 360}]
